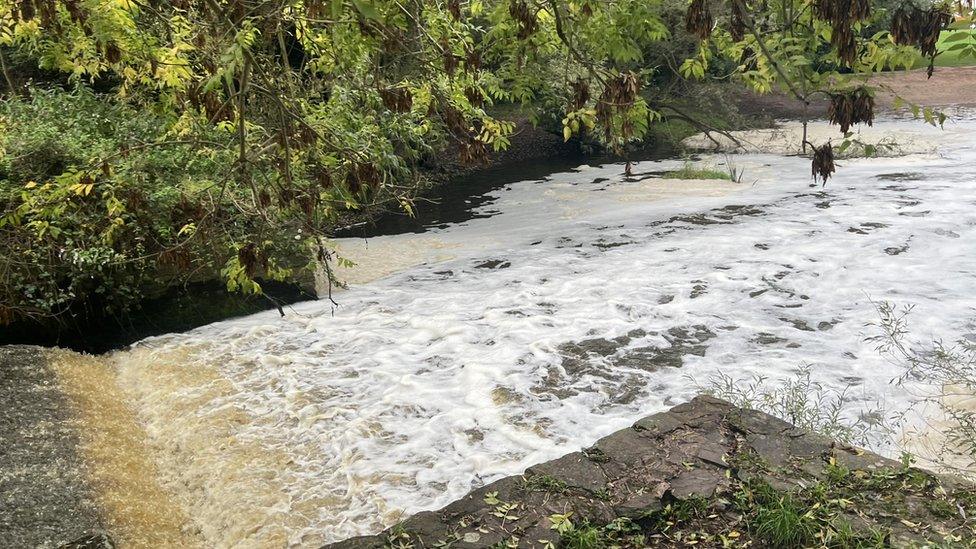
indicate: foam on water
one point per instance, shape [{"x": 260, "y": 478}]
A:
[{"x": 571, "y": 313}]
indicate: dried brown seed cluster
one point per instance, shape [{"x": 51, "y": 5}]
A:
[
  {"x": 847, "y": 109},
  {"x": 450, "y": 60},
  {"x": 698, "y": 19},
  {"x": 473, "y": 151},
  {"x": 251, "y": 259},
  {"x": 618, "y": 96},
  {"x": 842, "y": 14},
  {"x": 361, "y": 176},
  {"x": 913, "y": 26},
  {"x": 25, "y": 10},
  {"x": 472, "y": 60},
  {"x": 524, "y": 17},
  {"x": 112, "y": 53},
  {"x": 823, "y": 162},
  {"x": 323, "y": 177},
  {"x": 474, "y": 96},
  {"x": 581, "y": 94},
  {"x": 211, "y": 103},
  {"x": 396, "y": 99},
  {"x": 737, "y": 21}
]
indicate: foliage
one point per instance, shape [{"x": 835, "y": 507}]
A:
[
  {"x": 784, "y": 522},
  {"x": 803, "y": 402},
  {"x": 957, "y": 46},
  {"x": 310, "y": 110},
  {"x": 801, "y": 504},
  {"x": 89, "y": 216},
  {"x": 544, "y": 483}
]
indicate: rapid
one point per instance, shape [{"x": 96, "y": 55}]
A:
[{"x": 565, "y": 308}]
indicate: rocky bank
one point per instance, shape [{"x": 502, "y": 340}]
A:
[{"x": 709, "y": 474}]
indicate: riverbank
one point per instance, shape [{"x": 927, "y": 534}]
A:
[
  {"x": 948, "y": 87},
  {"x": 703, "y": 473}
]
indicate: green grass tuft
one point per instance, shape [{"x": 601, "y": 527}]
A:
[
  {"x": 544, "y": 483},
  {"x": 691, "y": 172},
  {"x": 583, "y": 537},
  {"x": 785, "y": 523}
]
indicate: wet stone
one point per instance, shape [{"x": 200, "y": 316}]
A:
[
  {"x": 90, "y": 541},
  {"x": 493, "y": 264},
  {"x": 683, "y": 342},
  {"x": 698, "y": 482},
  {"x": 826, "y": 326},
  {"x": 798, "y": 324},
  {"x": 45, "y": 498},
  {"x": 766, "y": 338},
  {"x": 604, "y": 245},
  {"x": 900, "y": 176},
  {"x": 946, "y": 232}
]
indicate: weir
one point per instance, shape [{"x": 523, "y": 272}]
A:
[{"x": 586, "y": 300}]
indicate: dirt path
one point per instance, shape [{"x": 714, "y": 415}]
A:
[{"x": 948, "y": 87}]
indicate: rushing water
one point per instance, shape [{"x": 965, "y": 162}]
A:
[{"x": 578, "y": 306}]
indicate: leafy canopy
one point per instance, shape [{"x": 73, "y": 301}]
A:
[{"x": 258, "y": 126}]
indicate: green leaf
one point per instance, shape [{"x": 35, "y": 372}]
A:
[
  {"x": 367, "y": 9},
  {"x": 957, "y": 36}
]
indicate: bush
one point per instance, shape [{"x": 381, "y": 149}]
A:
[{"x": 101, "y": 205}]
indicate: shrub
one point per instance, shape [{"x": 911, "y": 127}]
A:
[{"x": 101, "y": 205}]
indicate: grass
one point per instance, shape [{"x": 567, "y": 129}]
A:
[
  {"x": 818, "y": 513},
  {"x": 544, "y": 483},
  {"x": 688, "y": 171},
  {"x": 583, "y": 537},
  {"x": 784, "y": 522}
]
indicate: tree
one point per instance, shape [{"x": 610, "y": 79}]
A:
[{"x": 316, "y": 109}]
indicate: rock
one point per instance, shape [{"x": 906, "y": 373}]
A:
[{"x": 701, "y": 457}]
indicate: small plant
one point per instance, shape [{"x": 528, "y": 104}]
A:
[
  {"x": 949, "y": 370},
  {"x": 583, "y": 537},
  {"x": 572, "y": 536},
  {"x": 785, "y": 523},
  {"x": 836, "y": 473},
  {"x": 544, "y": 483},
  {"x": 735, "y": 173},
  {"x": 689, "y": 171},
  {"x": 804, "y": 403}
]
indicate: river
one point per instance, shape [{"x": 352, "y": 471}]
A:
[{"x": 560, "y": 310}]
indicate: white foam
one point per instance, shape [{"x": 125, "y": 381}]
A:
[{"x": 435, "y": 380}]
